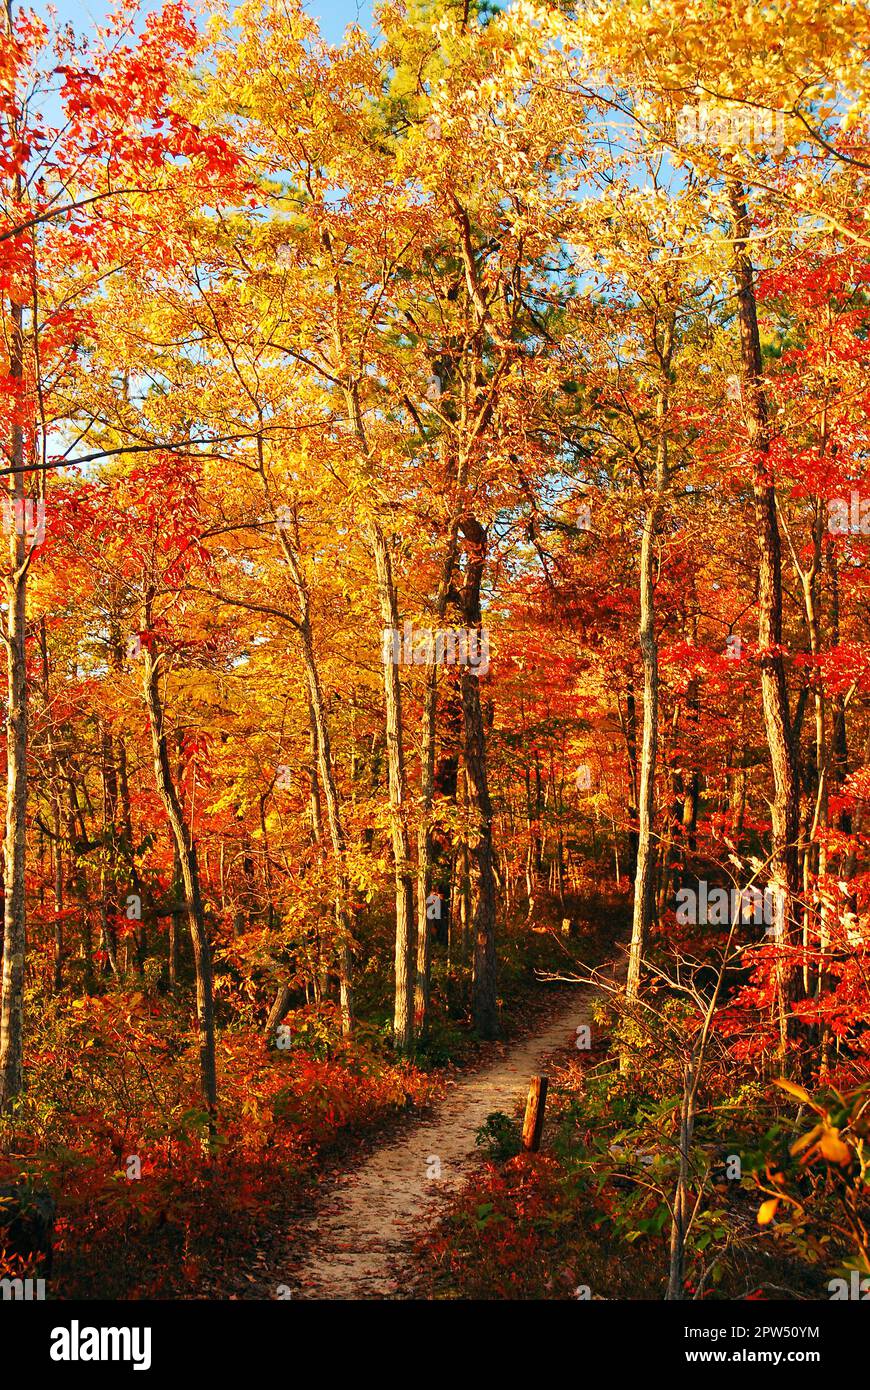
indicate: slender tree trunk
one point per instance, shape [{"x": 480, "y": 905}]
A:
[
  {"x": 680, "y": 1210},
  {"x": 56, "y": 816},
  {"x": 484, "y": 984},
  {"x": 315, "y": 813},
  {"x": 813, "y": 849},
  {"x": 424, "y": 852},
  {"x": 108, "y": 776},
  {"x": 785, "y": 809},
  {"x": 15, "y": 845},
  {"x": 315, "y": 818},
  {"x": 79, "y": 885},
  {"x": 645, "y": 867},
  {"x": 427, "y": 796},
  {"x": 674, "y": 825},
  {"x": 129, "y": 853},
  {"x": 693, "y": 783},
  {"x": 336, "y": 830},
  {"x": 173, "y": 965},
  {"x": 484, "y": 988},
  {"x": 403, "y": 1017},
  {"x": 168, "y": 793},
  {"x": 839, "y": 769},
  {"x": 644, "y": 879},
  {"x": 839, "y": 737},
  {"x": 57, "y": 851},
  {"x": 630, "y": 732},
  {"x": 463, "y": 890},
  {"x": 321, "y": 737}
]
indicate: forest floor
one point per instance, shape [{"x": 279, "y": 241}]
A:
[{"x": 359, "y": 1241}]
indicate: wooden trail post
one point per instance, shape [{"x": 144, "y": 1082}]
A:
[{"x": 533, "y": 1123}]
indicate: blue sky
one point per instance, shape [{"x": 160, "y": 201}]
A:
[{"x": 332, "y": 15}]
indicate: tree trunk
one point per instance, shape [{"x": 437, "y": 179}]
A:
[
  {"x": 424, "y": 852},
  {"x": 108, "y": 775},
  {"x": 79, "y": 882},
  {"x": 484, "y": 985},
  {"x": 427, "y": 796},
  {"x": 129, "y": 853},
  {"x": 785, "y": 807},
  {"x": 403, "y": 1018},
  {"x": 321, "y": 741},
  {"x": 15, "y": 846},
  {"x": 57, "y": 852},
  {"x": 279, "y": 1010},
  {"x": 630, "y": 733},
  {"x": 644, "y": 879},
  {"x": 680, "y": 1209},
  {"x": 190, "y": 877},
  {"x": 56, "y": 816},
  {"x": 336, "y": 828}
]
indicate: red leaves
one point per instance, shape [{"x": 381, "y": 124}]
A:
[{"x": 121, "y": 133}]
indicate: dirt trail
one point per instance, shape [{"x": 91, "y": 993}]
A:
[{"x": 362, "y": 1233}]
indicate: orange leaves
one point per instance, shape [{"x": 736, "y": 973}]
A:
[
  {"x": 832, "y": 1149},
  {"x": 824, "y": 1140}
]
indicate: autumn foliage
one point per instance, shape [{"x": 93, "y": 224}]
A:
[{"x": 437, "y": 510}]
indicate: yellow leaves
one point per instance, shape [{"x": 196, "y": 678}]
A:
[
  {"x": 805, "y": 1140},
  {"x": 848, "y": 119},
  {"x": 832, "y": 1148},
  {"x": 823, "y": 1140},
  {"x": 767, "y": 1211},
  {"x": 797, "y": 1091}
]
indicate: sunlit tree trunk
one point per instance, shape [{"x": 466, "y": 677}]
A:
[
  {"x": 629, "y": 727},
  {"x": 323, "y": 745},
  {"x": 427, "y": 796},
  {"x": 108, "y": 776},
  {"x": 785, "y": 807},
  {"x": 644, "y": 879},
  {"x": 424, "y": 852},
  {"x": 336, "y": 828},
  {"x": 15, "y": 845},
  {"x": 56, "y": 817},
  {"x": 186, "y": 849},
  {"x": 403, "y": 1016}
]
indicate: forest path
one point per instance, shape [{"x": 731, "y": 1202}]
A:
[{"x": 360, "y": 1239}]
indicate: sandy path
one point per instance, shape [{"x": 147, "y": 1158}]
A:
[{"x": 363, "y": 1230}]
